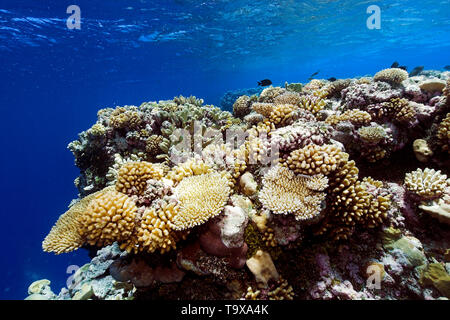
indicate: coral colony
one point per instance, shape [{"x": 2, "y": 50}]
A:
[{"x": 328, "y": 190}]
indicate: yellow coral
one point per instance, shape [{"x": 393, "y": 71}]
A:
[
  {"x": 109, "y": 217},
  {"x": 132, "y": 176},
  {"x": 292, "y": 98},
  {"x": 201, "y": 197},
  {"x": 312, "y": 103},
  {"x": 283, "y": 192},
  {"x": 427, "y": 183},
  {"x": 154, "y": 231},
  {"x": 65, "y": 235},
  {"x": 314, "y": 159},
  {"x": 191, "y": 167},
  {"x": 355, "y": 116}
]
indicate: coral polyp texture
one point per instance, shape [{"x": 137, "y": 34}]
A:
[{"x": 300, "y": 193}]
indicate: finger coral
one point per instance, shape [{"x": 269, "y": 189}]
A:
[
  {"x": 132, "y": 176},
  {"x": 125, "y": 117},
  {"x": 201, "y": 197},
  {"x": 109, "y": 217},
  {"x": 283, "y": 192},
  {"x": 154, "y": 233},
  {"x": 314, "y": 159},
  {"x": 355, "y": 116},
  {"x": 427, "y": 183}
]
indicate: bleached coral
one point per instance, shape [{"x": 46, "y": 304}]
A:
[{"x": 427, "y": 183}]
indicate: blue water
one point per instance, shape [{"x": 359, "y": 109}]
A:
[{"x": 53, "y": 81}]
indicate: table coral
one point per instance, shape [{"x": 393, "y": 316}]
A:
[
  {"x": 201, "y": 197},
  {"x": 283, "y": 192}
]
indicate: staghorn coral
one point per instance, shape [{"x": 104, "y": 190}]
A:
[
  {"x": 109, "y": 217},
  {"x": 201, "y": 197},
  {"x": 283, "y": 192},
  {"x": 392, "y": 76},
  {"x": 427, "y": 183},
  {"x": 132, "y": 176}
]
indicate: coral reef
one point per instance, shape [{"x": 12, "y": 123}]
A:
[{"x": 307, "y": 191}]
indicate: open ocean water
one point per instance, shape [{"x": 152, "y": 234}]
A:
[{"x": 53, "y": 79}]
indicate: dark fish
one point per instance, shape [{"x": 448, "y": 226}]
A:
[
  {"x": 264, "y": 83},
  {"x": 332, "y": 79},
  {"x": 314, "y": 74},
  {"x": 416, "y": 71},
  {"x": 395, "y": 65},
  {"x": 447, "y": 67},
  {"x": 403, "y": 68}
]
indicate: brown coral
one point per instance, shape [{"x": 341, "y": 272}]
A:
[
  {"x": 125, "y": 117},
  {"x": 355, "y": 116},
  {"x": 443, "y": 134}
]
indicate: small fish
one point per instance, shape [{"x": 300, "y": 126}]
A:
[
  {"x": 416, "y": 71},
  {"x": 332, "y": 79},
  {"x": 264, "y": 83},
  {"x": 314, "y": 74},
  {"x": 395, "y": 65},
  {"x": 403, "y": 68},
  {"x": 447, "y": 67}
]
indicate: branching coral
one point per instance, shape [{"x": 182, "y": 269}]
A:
[
  {"x": 427, "y": 183},
  {"x": 191, "y": 167},
  {"x": 125, "y": 117},
  {"x": 201, "y": 197},
  {"x": 109, "y": 217},
  {"x": 132, "y": 176},
  {"x": 314, "y": 159},
  {"x": 312, "y": 103},
  {"x": 443, "y": 133},
  {"x": 154, "y": 232},
  {"x": 355, "y": 116},
  {"x": 283, "y": 192}
]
